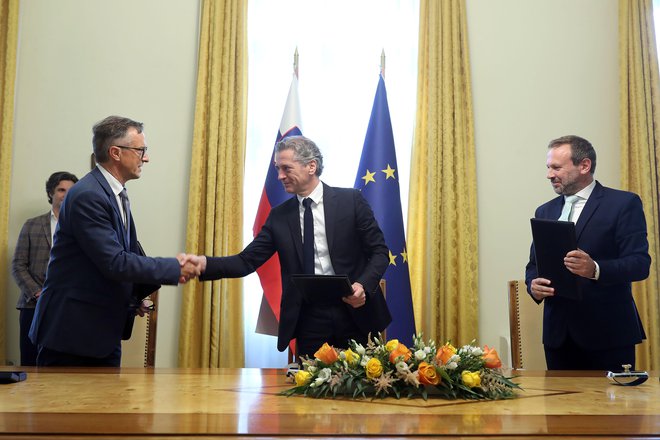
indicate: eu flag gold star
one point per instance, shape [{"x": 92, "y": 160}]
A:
[
  {"x": 369, "y": 177},
  {"x": 392, "y": 258},
  {"x": 404, "y": 254},
  {"x": 389, "y": 172}
]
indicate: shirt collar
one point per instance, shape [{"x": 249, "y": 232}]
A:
[
  {"x": 316, "y": 195},
  {"x": 585, "y": 192},
  {"x": 115, "y": 185}
]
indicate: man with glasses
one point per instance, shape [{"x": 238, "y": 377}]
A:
[{"x": 98, "y": 272}]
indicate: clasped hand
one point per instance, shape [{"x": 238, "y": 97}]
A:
[{"x": 192, "y": 266}]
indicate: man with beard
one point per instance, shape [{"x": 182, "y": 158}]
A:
[{"x": 598, "y": 332}]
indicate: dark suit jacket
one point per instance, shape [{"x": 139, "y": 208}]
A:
[
  {"x": 92, "y": 273},
  {"x": 612, "y": 230},
  {"x": 357, "y": 249},
  {"x": 31, "y": 259}
]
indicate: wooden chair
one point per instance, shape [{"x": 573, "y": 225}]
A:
[
  {"x": 526, "y": 329},
  {"x": 140, "y": 350}
]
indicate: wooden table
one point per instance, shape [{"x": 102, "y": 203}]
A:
[{"x": 205, "y": 403}]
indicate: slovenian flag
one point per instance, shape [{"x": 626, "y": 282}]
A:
[
  {"x": 273, "y": 194},
  {"x": 378, "y": 179}
]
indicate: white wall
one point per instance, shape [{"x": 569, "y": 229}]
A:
[{"x": 540, "y": 69}]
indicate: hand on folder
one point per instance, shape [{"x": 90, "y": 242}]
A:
[
  {"x": 358, "y": 298},
  {"x": 580, "y": 263},
  {"x": 577, "y": 262}
]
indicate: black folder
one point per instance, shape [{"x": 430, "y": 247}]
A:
[
  {"x": 553, "y": 239},
  {"x": 322, "y": 289}
]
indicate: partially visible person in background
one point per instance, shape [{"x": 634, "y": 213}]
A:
[{"x": 31, "y": 259}]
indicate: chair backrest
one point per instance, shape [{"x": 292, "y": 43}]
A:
[
  {"x": 526, "y": 329},
  {"x": 140, "y": 350}
]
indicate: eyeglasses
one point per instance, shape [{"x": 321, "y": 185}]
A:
[{"x": 141, "y": 150}]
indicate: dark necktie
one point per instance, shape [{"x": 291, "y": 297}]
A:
[
  {"x": 308, "y": 237},
  {"x": 126, "y": 206}
]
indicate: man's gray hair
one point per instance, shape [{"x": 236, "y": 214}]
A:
[{"x": 304, "y": 151}]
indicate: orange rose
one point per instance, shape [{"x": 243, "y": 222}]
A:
[
  {"x": 491, "y": 358},
  {"x": 326, "y": 354},
  {"x": 400, "y": 350},
  {"x": 427, "y": 374},
  {"x": 445, "y": 353}
]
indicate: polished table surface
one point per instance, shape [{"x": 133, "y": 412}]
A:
[{"x": 208, "y": 403}]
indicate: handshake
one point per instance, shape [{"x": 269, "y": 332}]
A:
[{"x": 192, "y": 266}]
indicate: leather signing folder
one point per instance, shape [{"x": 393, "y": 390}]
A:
[
  {"x": 553, "y": 239},
  {"x": 322, "y": 289}
]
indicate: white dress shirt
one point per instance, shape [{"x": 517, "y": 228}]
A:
[{"x": 322, "y": 263}]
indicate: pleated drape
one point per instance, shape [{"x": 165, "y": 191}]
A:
[
  {"x": 640, "y": 155},
  {"x": 442, "y": 215},
  {"x": 211, "y": 333},
  {"x": 8, "y": 42}
]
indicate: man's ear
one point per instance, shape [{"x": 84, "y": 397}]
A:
[
  {"x": 113, "y": 153},
  {"x": 585, "y": 166},
  {"x": 312, "y": 167}
]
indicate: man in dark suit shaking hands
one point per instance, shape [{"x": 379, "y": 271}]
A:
[
  {"x": 598, "y": 332},
  {"x": 97, "y": 272},
  {"x": 346, "y": 240}
]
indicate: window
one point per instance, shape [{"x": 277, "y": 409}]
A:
[{"x": 339, "y": 45}]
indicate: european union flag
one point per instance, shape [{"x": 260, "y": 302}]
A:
[{"x": 378, "y": 179}]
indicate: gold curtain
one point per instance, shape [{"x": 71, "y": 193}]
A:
[
  {"x": 442, "y": 216},
  {"x": 8, "y": 41},
  {"x": 640, "y": 154},
  {"x": 211, "y": 333}
]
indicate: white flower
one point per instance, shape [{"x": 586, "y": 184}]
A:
[
  {"x": 455, "y": 358},
  {"x": 420, "y": 355},
  {"x": 402, "y": 367},
  {"x": 451, "y": 365},
  {"x": 477, "y": 351},
  {"x": 359, "y": 349},
  {"x": 364, "y": 360},
  {"x": 427, "y": 350},
  {"x": 311, "y": 369},
  {"x": 324, "y": 376}
]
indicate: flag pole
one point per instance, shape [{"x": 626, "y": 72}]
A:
[
  {"x": 295, "y": 62},
  {"x": 382, "y": 63}
]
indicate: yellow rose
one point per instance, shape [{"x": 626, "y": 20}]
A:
[
  {"x": 445, "y": 353},
  {"x": 302, "y": 377},
  {"x": 326, "y": 354},
  {"x": 491, "y": 358},
  {"x": 351, "y": 357},
  {"x": 427, "y": 374},
  {"x": 471, "y": 379},
  {"x": 400, "y": 350},
  {"x": 391, "y": 344},
  {"x": 374, "y": 368}
]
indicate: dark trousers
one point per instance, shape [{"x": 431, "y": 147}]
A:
[
  {"x": 572, "y": 357},
  {"x": 318, "y": 324},
  {"x": 52, "y": 358},
  {"x": 28, "y": 349}
]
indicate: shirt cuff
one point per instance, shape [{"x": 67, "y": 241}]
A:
[{"x": 596, "y": 272}]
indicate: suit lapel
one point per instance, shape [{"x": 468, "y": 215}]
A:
[
  {"x": 105, "y": 186},
  {"x": 293, "y": 221},
  {"x": 330, "y": 209},
  {"x": 45, "y": 228},
  {"x": 589, "y": 208}
]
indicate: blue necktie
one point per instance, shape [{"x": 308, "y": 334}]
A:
[
  {"x": 569, "y": 203},
  {"x": 308, "y": 237}
]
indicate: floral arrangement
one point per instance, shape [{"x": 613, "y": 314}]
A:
[{"x": 390, "y": 369}]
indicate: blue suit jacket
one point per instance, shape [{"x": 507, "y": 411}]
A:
[
  {"x": 612, "y": 230},
  {"x": 94, "y": 267},
  {"x": 357, "y": 249}
]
